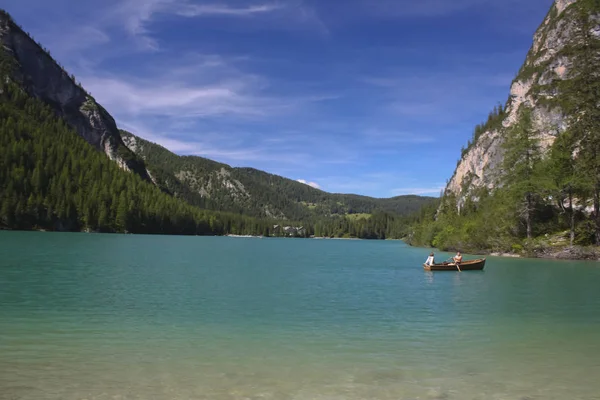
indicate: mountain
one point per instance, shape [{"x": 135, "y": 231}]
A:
[
  {"x": 64, "y": 165},
  {"x": 536, "y": 87},
  {"x": 62, "y": 168},
  {"x": 52, "y": 179},
  {"x": 218, "y": 186},
  {"x": 43, "y": 78},
  {"x": 529, "y": 179}
]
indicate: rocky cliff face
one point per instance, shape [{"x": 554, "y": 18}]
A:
[
  {"x": 38, "y": 74},
  {"x": 535, "y": 87}
]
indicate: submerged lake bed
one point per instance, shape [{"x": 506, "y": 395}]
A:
[{"x": 101, "y": 316}]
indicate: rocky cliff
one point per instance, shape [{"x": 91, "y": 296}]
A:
[
  {"x": 537, "y": 87},
  {"x": 41, "y": 76}
]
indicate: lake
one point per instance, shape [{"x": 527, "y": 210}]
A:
[{"x": 93, "y": 316}]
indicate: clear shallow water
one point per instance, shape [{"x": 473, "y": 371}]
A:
[{"x": 85, "y": 316}]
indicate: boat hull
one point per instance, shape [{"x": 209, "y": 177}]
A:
[{"x": 470, "y": 265}]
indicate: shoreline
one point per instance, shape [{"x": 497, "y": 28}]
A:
[
  {"x": 565, "y": 253},
  {"x": 337, "y": 238},
  {"x": 244, "y": 236},
  {"x": 5, "y": 229}
]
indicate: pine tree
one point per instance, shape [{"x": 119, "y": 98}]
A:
[
  {"x": 564, "y": 177},
  {"x": 122, "y": 214},
  {"x": 521, "y": 160},
  {"x": 582, "y": 91}
]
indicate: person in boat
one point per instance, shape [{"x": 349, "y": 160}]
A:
[
  {"x": 457, "y": 258},
  {"x": 429, "y": 260}
]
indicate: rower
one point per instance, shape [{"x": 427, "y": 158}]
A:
[{"x": 457, "y": 258}]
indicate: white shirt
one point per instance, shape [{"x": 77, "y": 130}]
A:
[{"x": 429, "y": 260}]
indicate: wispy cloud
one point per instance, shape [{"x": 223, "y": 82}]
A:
[
  {"x": 134, "y": 15},
  {"x": 195, "y": 10},
  {"x": 138, "y": 15},
  {"x": 196, "y": 86},
  {"x": 83, "y": 37},
  {"x": 429, "y": 191},
  {"x": 175, "y": 99},
  {"x": 379, "y": 182},
  {"x": 311, "y": 184},
  {"x": 109, "y": 19},
  {"x": 227, "y": 147}
]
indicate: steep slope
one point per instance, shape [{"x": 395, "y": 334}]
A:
[
  {"x": 529, "y": 180},
  {"x": 249, "y": 191},
  {"x": 34, "y": 70},
  {"x": 50, "y": 178},
  {"x": 537, "y": 86}
]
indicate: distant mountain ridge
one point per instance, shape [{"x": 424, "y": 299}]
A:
[{"x": 218, "y": 186}]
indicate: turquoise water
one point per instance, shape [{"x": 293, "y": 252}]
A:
[{"x": 90, "y": 316}]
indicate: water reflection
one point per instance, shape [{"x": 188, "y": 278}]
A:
[
  {"x": 429, "y": 277},
  {"x": 458, "y": 278}
]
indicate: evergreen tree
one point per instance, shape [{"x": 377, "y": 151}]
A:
[
  {"x": 582, "y": 91},
  {"x": 521, "y": 167},
  {"x": 122, "y": 215},
  {"x": 564, "y": 177}
]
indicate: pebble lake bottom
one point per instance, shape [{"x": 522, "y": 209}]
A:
[{"x": 93, "y": 316}]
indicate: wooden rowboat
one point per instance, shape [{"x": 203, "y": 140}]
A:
[{"x": 469, "y": 265}]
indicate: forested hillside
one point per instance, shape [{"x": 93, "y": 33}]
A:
[
  {"x": 218, "y": 186},
  {"x": 50, "y": 178},
  {"x": 42, "y": 77},
  {"x": 538, "y": 189}
]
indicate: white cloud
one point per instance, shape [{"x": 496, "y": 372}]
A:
[
  {"x": 137, "y": 15},
  {"x": 195, "y": 10},
  {"x": 176, "y": 99},
  {"x": 312, "y": 184},
  {"x": 134, "y": 15},
  {"x": 378, "y": 183},
  {"x": 226, "y": 147},
  {"x": 236, "y": 96},
  {"x": 430, "y": 191},
  {"x": 82, "y": 37}
]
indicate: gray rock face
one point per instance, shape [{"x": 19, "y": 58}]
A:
[
  {"x": 44, "y": 79},
  {"x": 481, "y": 165}
]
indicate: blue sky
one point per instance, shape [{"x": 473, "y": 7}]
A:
[{"x": 374, "y": 97}]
